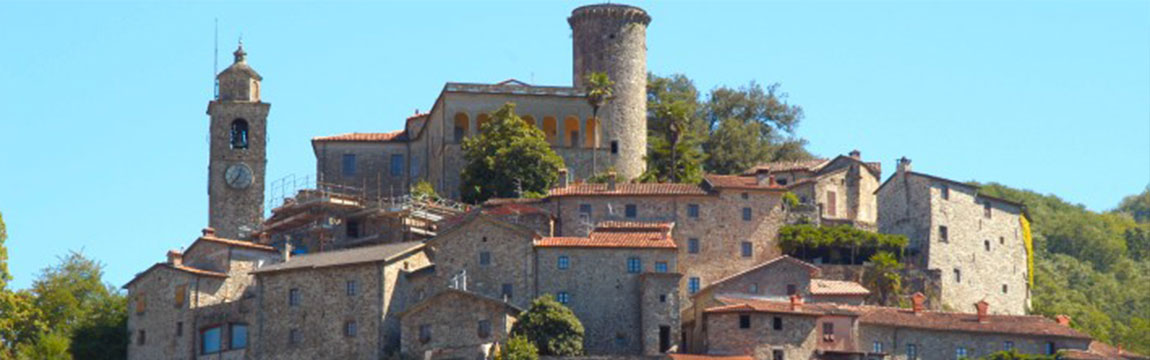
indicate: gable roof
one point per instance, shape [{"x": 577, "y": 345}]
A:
[
  {"x": 394, "y": 136},
  {"x": 824, "y": 287},
  {"x": 511, "y": 309},
  {"x": 946, "y": 321},
  {"x": 458, "y": 222},
  {"x": 360, "y": 255},
  {"x": 776, "y": 260},
  {"x": 181, "y": 268},
  {"x": 619, "y": 234},
  {"x": 628, "y": 189},
  {"x": 738, "y": 182},
  {"x": 1022, "y": 207},
  {"x": 733, "y": 304},
  {"x": 230, "y": 243}
]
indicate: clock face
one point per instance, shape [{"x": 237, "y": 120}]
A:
[{"x": 238, "y": 176}]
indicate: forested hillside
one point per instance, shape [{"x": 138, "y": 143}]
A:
[{"x": 1092, "y": 266}]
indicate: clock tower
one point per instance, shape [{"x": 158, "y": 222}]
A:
[{"x": 238, "y": 156}]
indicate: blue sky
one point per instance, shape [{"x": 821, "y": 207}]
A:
[{"x": 103, "y": 132}]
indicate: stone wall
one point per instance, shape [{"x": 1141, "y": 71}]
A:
[
  {"x": 373, "y": 161},
  {"x": 510, "y": 250},
  {"x": 162, "y": 319},
  {"x": 603, "y": 295},
  {"x": 798, "y": 338},
  {"x": 236, "y": 213},
  {"x": 453, "y": 320},
  {"x": 943, "y": 345},
  {"x": 720, "y": 228},
  {"x": 659, "y": 303}
]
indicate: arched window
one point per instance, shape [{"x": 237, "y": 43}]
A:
[
  {"x": 550, "y": 125},
  {"x": 239, "y": 134},
  {"x": 592, "y": 133},
  {"x": 571, "y": 131},
  {"x": 462, "y": 125}
]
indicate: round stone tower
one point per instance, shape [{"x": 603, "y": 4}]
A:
[{"x": 612, "y": 38}]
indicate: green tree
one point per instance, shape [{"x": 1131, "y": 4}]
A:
[
  {"x": 508, "y": 159},
  {"x": 751, "y": 125},
  {"x": 49, "y": 346},
  {"x": 599, "y": 91},
  {"x": 518, "y": 348},
  {"x": 551, "y": 327},
  {"x": 5, "y": 276},
  {"x": 69, "y": 292},
  {"x": 103, "y": 335},
  {"x": 676, "y": 156},
  {"x": 424, "y": 191},
  {"x": 21, "y": 323},
  {"x": 1138, "y": 242},
  {"x": 1138, "y": 206},
  {"x": 883, "y": 274},
  {"x": 1014, "y": 355}
]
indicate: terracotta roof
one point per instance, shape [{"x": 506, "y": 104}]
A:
[
  {"x": 738, "y": 182},
  {"x": 738, "y": 304},
  {"x": 514, "y": 87},
  {"x": 1100, "y": 351},
  {"x": 627, "y": 189},
  {"x": 823, "y": 287},
  {"x": 784, "y": 166},
  {"x": 513, "y": 209},
  {"x": 708, "y": 357},
  {"x": 397, "y": 135},
  {"x": 418, "y": 115},
  {"x": 618, "y": 234},
  {"x": 186, "y": 269},
  {"x": 236, "y": 243},
  {"x": 946, "y": 321},
  {"x": 359, "y": 255}
]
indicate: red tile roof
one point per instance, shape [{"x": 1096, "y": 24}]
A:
[
  {"x": 811, "y": 267},
  {"x": 738, "y": 182},
  {"x": 237, "y": 243},
  {"x": 183, "y": 268},
  {"x": 933, "y": 320},
  {"x": 823, "y": 287},
  {"x": 783, "y": 166},
  {"x": 619, "y": 234},
  {"x": 1100, "y": 351},
  {"x": 513, "y": 209},
  {"x": 364, "y": 137},
  {"x": 629, "y": 190},
  {"x": 709, "y": 357},
  {"x": 738, "y": 304}
]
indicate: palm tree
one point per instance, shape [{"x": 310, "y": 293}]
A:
[
  {"x": 883, "y": 275},
  {"x": 676, "y": 115},
  {"x": 599, "y": 91}
]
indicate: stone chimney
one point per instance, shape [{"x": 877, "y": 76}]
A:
[
  {"x": 208, "y": 232},
  {"x": 903, "y": 165},
  {"x": 286, "y": 253},
  {"x": 771, "y": 181},
  {"x": 983, "y": 307},
  {"x": 175, "y": 258},
  {"x": 1063, "y": 320},
  {"x": 762, "y": 175},
  {"x": 611, "y": 181},
  {"x": 917, "y": 302},
  {"x": 855, "y": 154},
  {"x": 562, "y": 178},
  {"x": 796, "y": 302}
]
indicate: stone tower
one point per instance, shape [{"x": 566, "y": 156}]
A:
[
  {"x": 238, "y": 151},
  {"x": 612, "y": 38}
]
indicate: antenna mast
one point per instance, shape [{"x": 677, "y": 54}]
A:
[{"x": 216, "y": 62}]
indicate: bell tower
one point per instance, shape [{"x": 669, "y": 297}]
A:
[{"x": 238, "y": 153}]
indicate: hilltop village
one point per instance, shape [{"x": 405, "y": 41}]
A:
[{"x": 353, "y": 267}]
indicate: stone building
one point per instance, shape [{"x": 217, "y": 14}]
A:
[
  {"x": 336, "y": 304},
  {"x": 200, "y": 302},
  {"x": 456, "y": 324},
  {"x": 972, "y": 242},
  {"x": 842, "y": 188},
  {"x": 238, "y": 159},
  {"x": 620, "y": 281},
  {"x": 776, "y": 330},
  {"x": 608, "y": 38},
  {"x": 777, "y": 280}
]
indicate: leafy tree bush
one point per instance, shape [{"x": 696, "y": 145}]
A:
[
  {"x": 551, "y": 327},
  {"x": 883, "y": 275},
  {"x": 509, "y": 158},
  {"x": 790, "y": 200},
  {"x": 424, "y": 190},
  {"x": 518, "y": 348},
  {"x": 837, "y": 244},
  {"x": 1014, "y": 355}
]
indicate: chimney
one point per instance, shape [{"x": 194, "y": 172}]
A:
[
  {"x": 611, "y": 181},
  {"x": 771, "y": 181},
  {"x": 855, "y": 154},
  {"x": 982, "y": 307},
  {"x": 562, "y": 178},
  {"x": 175, "y": 258},
  {"x": 286, "y": 253},
  {"x": 917, "y": 301},
  {"x": 1063, "y": 320},
  {"x": 796, "y": 302},
  {"x": 762, "y": 175},
  {"x": 903, "y": 165},
  {"x": 208, "y": 232}
]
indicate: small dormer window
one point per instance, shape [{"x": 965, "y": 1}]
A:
[{"x": 239, "y": 134}]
